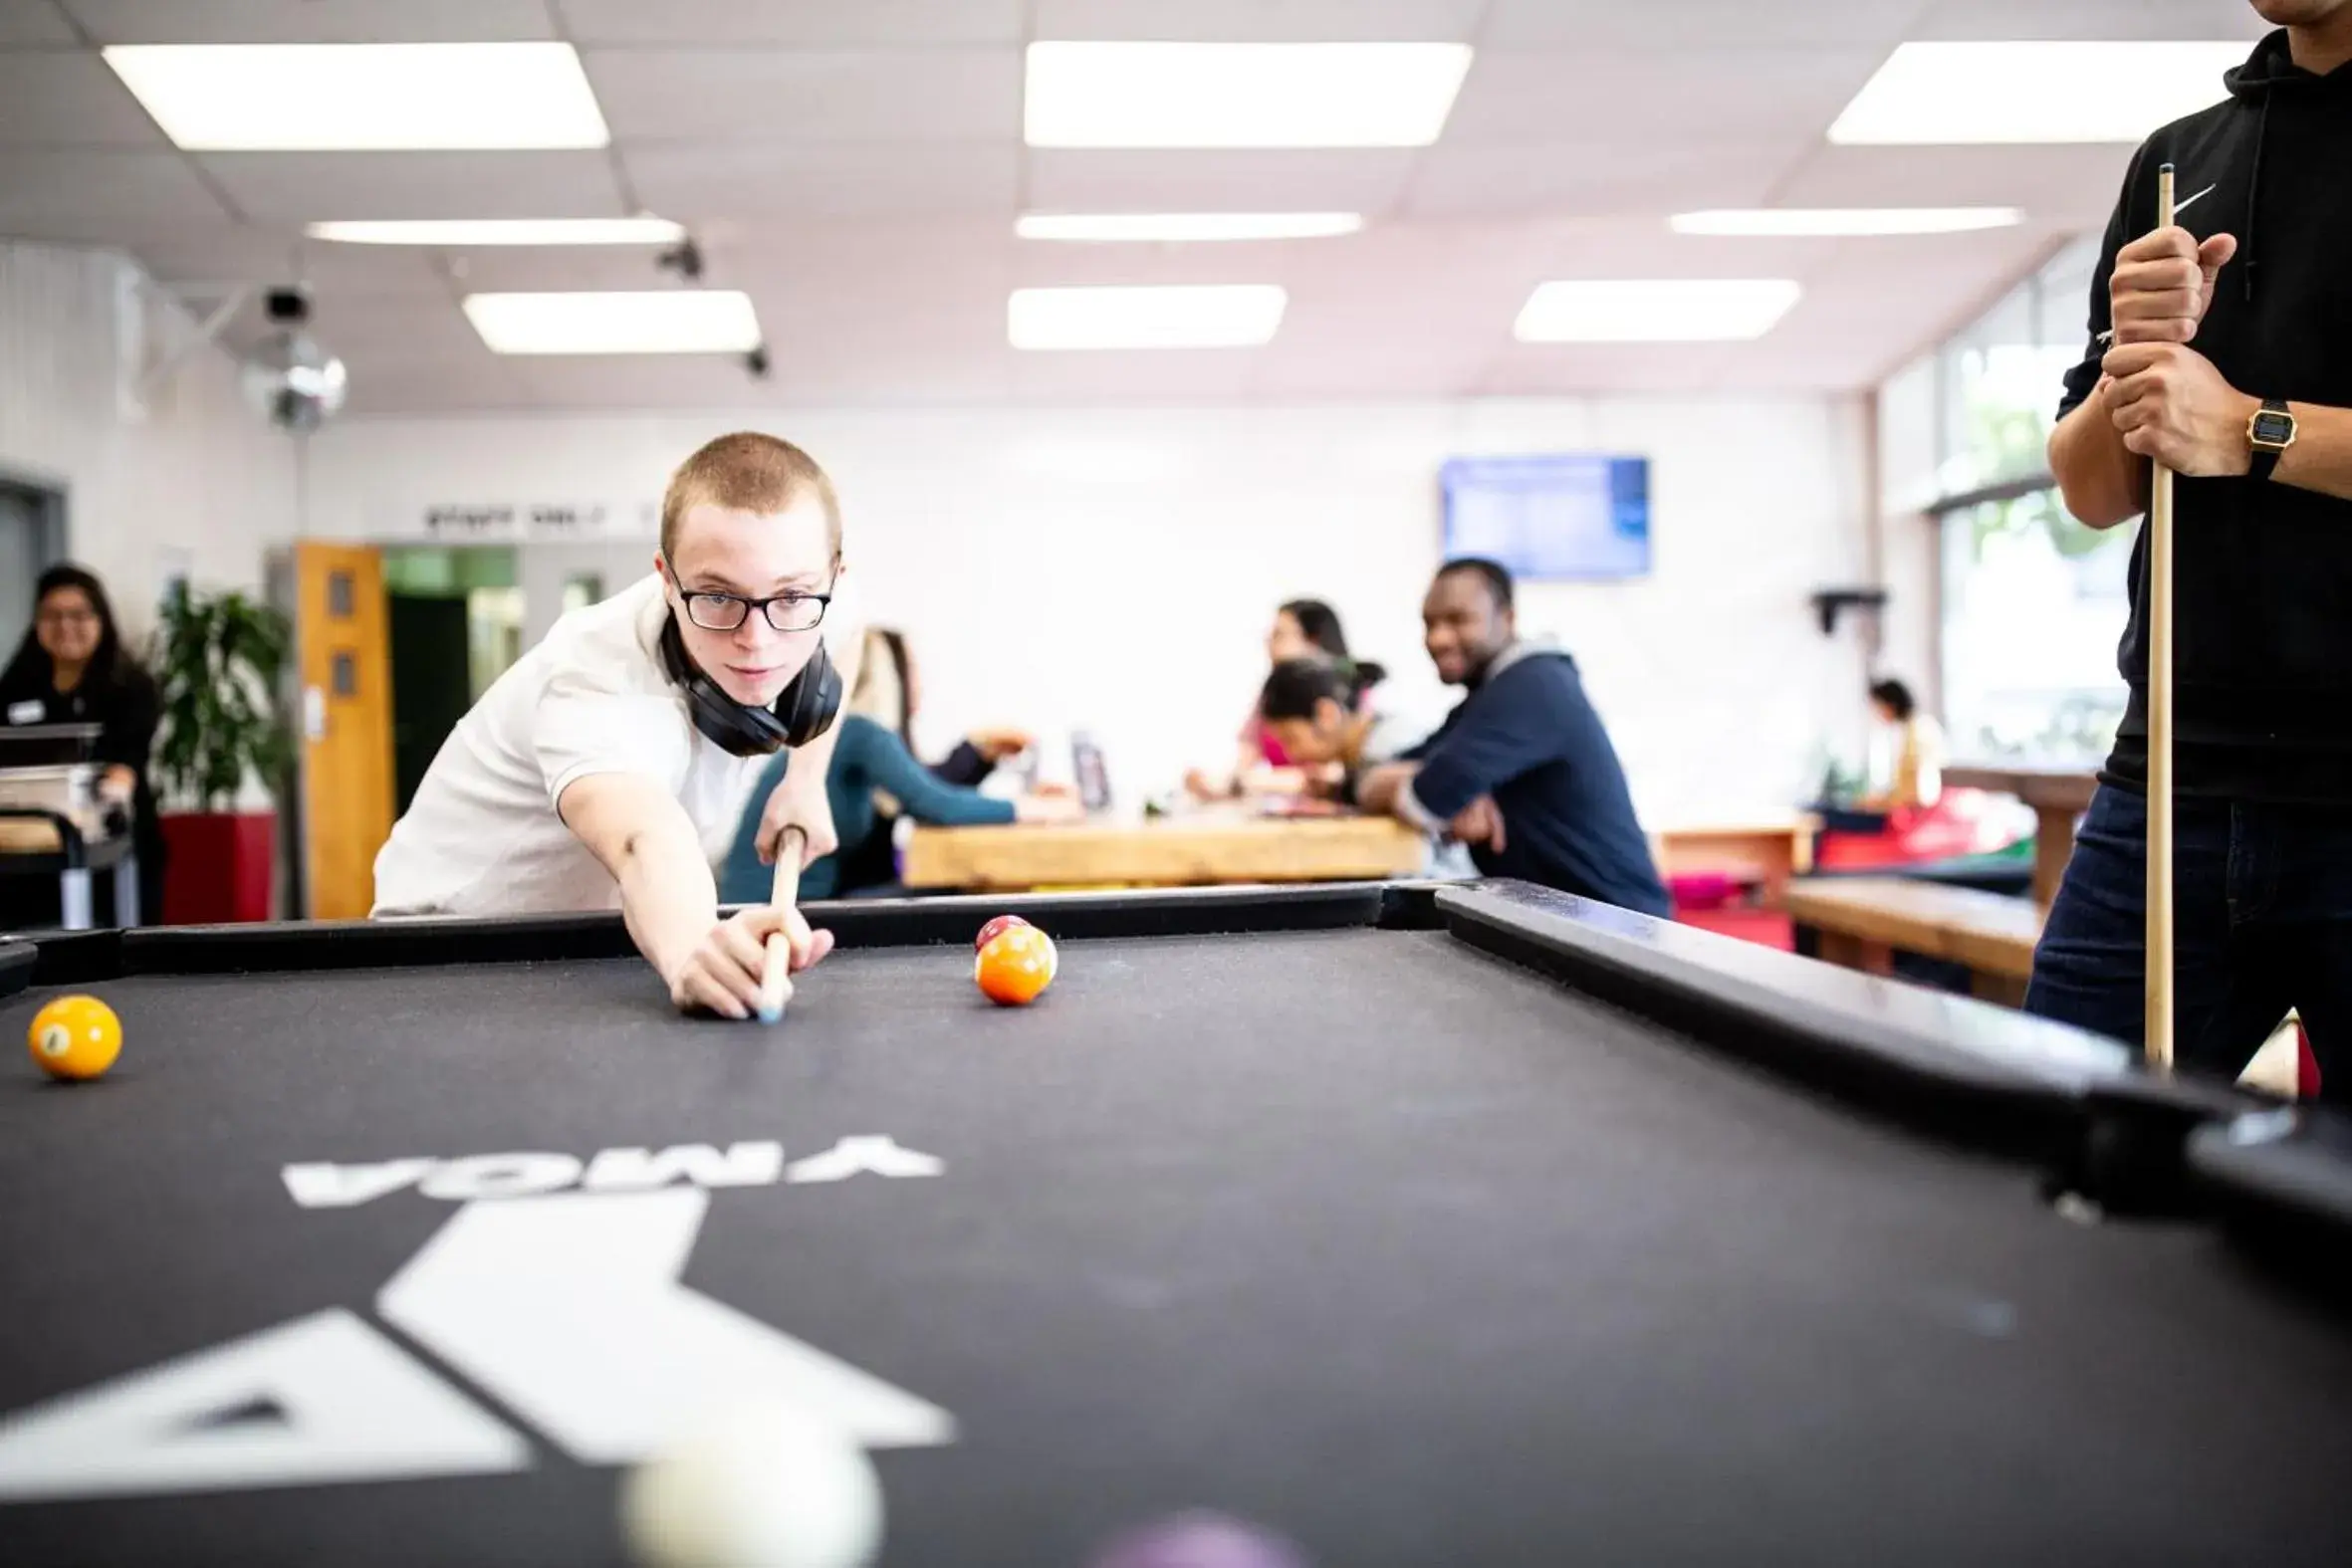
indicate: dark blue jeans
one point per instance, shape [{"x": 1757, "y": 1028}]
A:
[{"x": 2262, "y": 922}]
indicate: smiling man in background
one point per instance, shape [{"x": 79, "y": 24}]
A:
[{"x": 1522, "y": 770}]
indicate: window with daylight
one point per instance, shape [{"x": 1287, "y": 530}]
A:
[{"x": 2033, "y": 603}]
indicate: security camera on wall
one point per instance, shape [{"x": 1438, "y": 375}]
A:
[{"x": 291, "y": 382}]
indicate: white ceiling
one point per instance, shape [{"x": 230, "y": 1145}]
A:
[{"x": 855, "y": 166}]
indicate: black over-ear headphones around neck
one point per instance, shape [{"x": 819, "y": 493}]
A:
[{"x": 804, "y": 712}]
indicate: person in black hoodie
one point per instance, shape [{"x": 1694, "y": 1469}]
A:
[
  {"x": 1522, "y": 770},
  {"x": 71, "y": 668},
  {"x": 2222, "y": 346}
]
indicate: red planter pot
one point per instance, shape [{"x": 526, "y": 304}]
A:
[{"x": 219, "y": 866}]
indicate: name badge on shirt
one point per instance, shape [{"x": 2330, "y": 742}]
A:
[{"x": 25, "y": 712}]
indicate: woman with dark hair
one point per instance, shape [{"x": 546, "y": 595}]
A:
[
  {"x": 1321, "y": 714},
  {"x": 875, "y": 778},
  {"x": 1306, "y": 626},
  {"x": 1318, "y": 714},
  {"x": 1302, "y": 629},
  {"x": 890, "y": 690},
  {"x": 71, "y": 668}
]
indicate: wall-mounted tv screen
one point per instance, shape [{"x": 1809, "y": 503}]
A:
[{"x": 1570, "y": 516}]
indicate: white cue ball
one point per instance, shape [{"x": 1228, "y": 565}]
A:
[{"x": 762, "y": 1486}]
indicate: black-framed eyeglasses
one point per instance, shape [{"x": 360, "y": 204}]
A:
[{"x": 785, "y": 611}]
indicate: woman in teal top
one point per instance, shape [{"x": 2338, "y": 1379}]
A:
[
  {"x": 870, "y": 758},
  {"x": 867, "y": 758}
]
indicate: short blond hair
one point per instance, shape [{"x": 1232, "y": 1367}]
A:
[{"x": 746, "y": 472}]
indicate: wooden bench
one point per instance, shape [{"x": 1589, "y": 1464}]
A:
[{"x": 1862, "y": 922}]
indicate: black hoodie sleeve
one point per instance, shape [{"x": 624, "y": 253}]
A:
[
  {"x": 967, "y": 766},
  {"x": 2083, "y": 379}
]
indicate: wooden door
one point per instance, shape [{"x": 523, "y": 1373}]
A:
[{"x": 346, "y": 723}]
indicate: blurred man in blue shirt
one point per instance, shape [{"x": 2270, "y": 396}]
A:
[{"x": 1522, "y": 770}]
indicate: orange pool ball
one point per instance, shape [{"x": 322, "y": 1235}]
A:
[
  {"x": 75, "y": 1037},
  {"x": 1016, "y": 965}
]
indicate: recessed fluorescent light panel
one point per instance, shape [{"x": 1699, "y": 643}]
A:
[
  {"x": 1227, "y": 316},
  {"x": 1183, "y": 228},
  {"x": 1841, "y": 222},
  {"x": 1134, "y": 95},
  {"x": 2054, "y": 92},
  {"x": 1655, "y": 311},
  {"x": 350, "y": 98},
  {"x": 684, "y": 320},
  {"x": 461, "y": 233}
]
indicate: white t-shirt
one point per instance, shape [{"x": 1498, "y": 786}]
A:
[{"x": 482, "y": 836}]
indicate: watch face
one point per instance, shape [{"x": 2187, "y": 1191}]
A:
[{"x": 2273, "y": 429}]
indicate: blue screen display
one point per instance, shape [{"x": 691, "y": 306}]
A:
[{"x": 1570, "y": 516}]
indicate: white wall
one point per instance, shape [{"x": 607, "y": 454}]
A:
[
  {"x": 1116, "y": 569},
  {"x": 541, "y": 570},
  {"x": 190, "y": 481}
]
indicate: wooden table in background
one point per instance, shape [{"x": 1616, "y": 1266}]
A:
[
  {"x": 1771, "y": 853},
  {"x": 1181, "y": 851},
  {"x": 2058, "y": 796}
]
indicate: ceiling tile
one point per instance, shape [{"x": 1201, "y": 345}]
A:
[
  {"x": 1114, "y": 266},
  {"x": 494, "y": 268},
  {"x": 1366, "y": 182},
  {"x": 768, "y": 95},
  {"x": 809, "y": 24},
  {"x": 304, "y": 187},
  {"x": 413, "y": 390},
  {"x": 1593, "y": 180},
  {"x": 2188, "y": 20},
  {"x": 1262, "y": 21},
  {"x": 920, "y": 374},
  {"x": 1621, "y": 96},
  {"x": 1918, "y": 290},
  {"x": 1826, "y": 370},
  {"x": 688, "y": 181},
  {"x": 2065, "y": 185},
  {"x": 375, "y": 336},
  {"x": 66, "y": 99},
  {"x": 34, "y": 22},
  {"x": 631, "y": 382},
  {"x": 854, "y": 260},
  {"x": 1166, "y": 375},
  {"x": 1381, "y": 367},
  {"x": 230, "y": 253},
  {"x": 1538, "y": 369},
  {"x": 312, "y": 21},
  {"x": 138, "y": 190},
  {"x": 1522, "y": 24}
]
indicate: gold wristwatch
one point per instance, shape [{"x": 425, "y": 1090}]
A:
[{"x": 2271, "y": 431}]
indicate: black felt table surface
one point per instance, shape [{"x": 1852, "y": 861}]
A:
[{"x": 1407, "y": 1252}]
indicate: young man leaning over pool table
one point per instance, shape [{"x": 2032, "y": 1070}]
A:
[{"x": 612, "y": 762}]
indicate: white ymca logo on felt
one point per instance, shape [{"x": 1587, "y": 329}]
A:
[
  {"x": 629, "y": 1170},
  {"x": 566, "y": 1307}
]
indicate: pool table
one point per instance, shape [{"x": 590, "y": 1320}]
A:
[{"x": 1469, "y": 1224}]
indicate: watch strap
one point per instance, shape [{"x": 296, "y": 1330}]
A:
[{"x": 2266, "y": 458}]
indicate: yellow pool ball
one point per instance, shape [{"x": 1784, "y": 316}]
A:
[{"x": 76, "y": 1037}]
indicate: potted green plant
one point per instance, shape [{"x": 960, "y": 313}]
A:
[{"x": 218, "y": 659}]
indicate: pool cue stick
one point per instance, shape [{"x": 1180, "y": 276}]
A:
[
  {"x": 2159, "y": 1026},
  {"x": 776, "y": 985}
]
